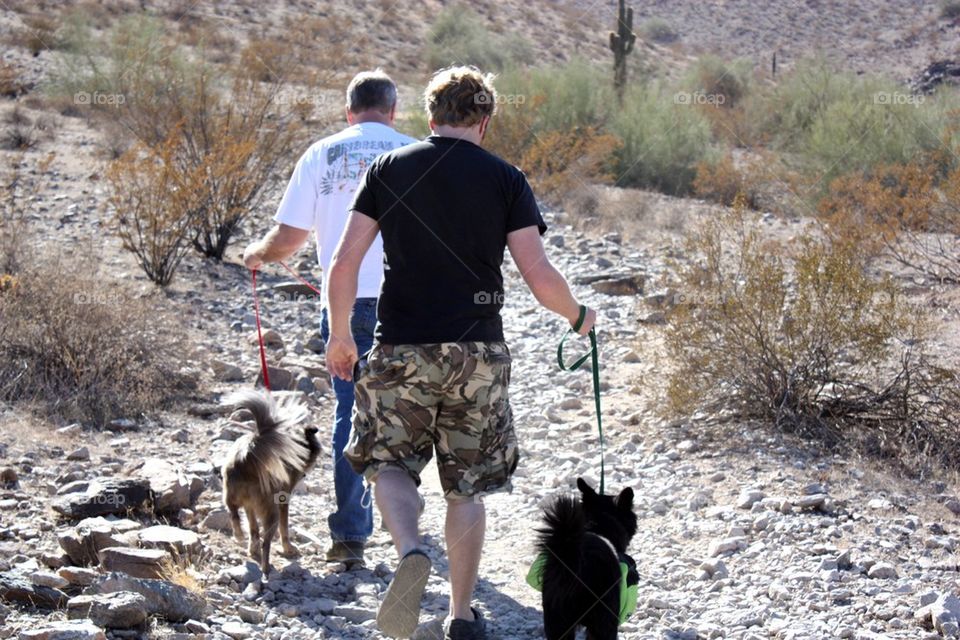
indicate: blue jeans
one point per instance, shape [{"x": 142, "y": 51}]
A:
[{"x": 352, "y": 521}]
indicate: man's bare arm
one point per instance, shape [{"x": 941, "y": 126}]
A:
[
  {"x": 280, "y": 243},
  {"x": 547, "y": 284},
  {"x": 360, "y": 233}
]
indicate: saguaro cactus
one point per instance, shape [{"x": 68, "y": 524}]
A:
[{"x": 621, "y": 43}]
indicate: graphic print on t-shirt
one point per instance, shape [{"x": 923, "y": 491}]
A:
[{"x": 347, "y": 162}]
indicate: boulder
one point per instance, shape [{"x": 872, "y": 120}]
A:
[
  {"x": 226, "y": 372},
  {"x": 117, "y": 610},
  {"x": 169, "y": 486},
  {"x": 139, "y": 563},
  {"x": 174, "y": 539},
  {"x": 76, "y": 630},
  {"x": 83, "y": 543},
  {"x": 217, "y": 520},
  {"x": 105, "y": 496},
  {"x": 16, "y": 588},
  {"x": 78, "y": 576},
  {"x": 941, "y": 615},
  {"x": 630, "y": 284},
  {"x": 163, "y": 598}
]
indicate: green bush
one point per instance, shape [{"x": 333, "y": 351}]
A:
[
  {"x": 663, "y": 140},
  {"x": 713, "y": 77},
  {"x": 658, "y": 30},
  {"x": 459, "y": 36}
]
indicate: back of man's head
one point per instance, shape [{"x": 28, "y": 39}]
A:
[
  {"x": 371, "y": 91},
  {"x": 460, "y": 97}
]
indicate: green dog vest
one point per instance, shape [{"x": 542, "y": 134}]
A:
[{"x": 629, "y": 582}]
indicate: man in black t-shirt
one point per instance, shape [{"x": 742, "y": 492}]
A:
[{"x": 437, "y": 377}]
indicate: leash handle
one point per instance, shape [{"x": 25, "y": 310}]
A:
[
  {"x": 594, "y": 357},
  {"x": 263, "y": 350}
]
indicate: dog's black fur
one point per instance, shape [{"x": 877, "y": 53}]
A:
[
  {"x": 263, "y": 468},
  {"x": 581, "y": 574}
]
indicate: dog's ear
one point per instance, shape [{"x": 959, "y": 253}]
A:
[
  {"x": 585, "y": 489},
  {"x": 625, "y": 499}
]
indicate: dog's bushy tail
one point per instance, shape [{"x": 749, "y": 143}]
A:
[
  {"x": 561, "y": 536},
  {"x": 274, "y": 451}
]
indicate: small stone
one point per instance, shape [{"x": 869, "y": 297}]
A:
[
  {"x": 80, "y": 454},
  {"x": 139, "y": 563},
  {"x": 79, "y": 576},
  {"x": 217, "y": 520},
  {"x": 78, "y": 630},
  {"x": 882, "y": 571},
  {"x": 118, "y": 610},
  {"x": 70, "y": 430},
  {"x": 250, "y": 614},
  {"x": 48, "y": 579},
  {"x": 237, "y": 630},
  {"x": 953, "y": 505},
  {"x": 812, "y": 501},
  {"x": 354, "y": 613},
  {"x": 749, "y": 497}
]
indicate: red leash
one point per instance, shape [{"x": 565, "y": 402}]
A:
[
  {"x": 256, "y": 312},
  {"x": 263, "y": 350}
]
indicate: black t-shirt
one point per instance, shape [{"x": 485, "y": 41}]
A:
[{"x": 444, "y": 207}]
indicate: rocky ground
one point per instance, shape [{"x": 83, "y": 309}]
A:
[{"x": 743, "y": 534}]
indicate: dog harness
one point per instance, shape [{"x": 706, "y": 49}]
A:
[{"x": 629, "y": 582}]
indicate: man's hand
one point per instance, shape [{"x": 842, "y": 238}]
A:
[
  {"x": 588, "y": 321},
  {"x": 341, "y": 356},
  {"x": 251, "y": 256}
]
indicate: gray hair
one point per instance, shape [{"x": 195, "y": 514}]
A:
[{"x": 371, "y": 90}]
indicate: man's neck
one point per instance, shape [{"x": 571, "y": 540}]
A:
[
  {"x": 368, "y": 118},
  {"x": 470, "y": 134}
]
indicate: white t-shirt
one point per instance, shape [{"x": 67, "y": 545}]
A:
[{"x": 321, "y": 189}]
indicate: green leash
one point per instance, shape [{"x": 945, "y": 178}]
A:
[{"x": 594, "y": 356}]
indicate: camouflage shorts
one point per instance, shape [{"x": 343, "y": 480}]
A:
[{"x": 452, "y": 397}]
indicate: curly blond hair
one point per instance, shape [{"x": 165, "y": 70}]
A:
[{"x": 460, "y": 96}]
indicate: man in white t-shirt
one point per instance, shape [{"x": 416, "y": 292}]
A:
[{"x": 318, "y": 199}]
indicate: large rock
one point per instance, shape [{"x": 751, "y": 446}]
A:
[
  {"x": 83, "y": 542},
  {"x": 170, "y": 487},
  {"x": 942, "y": 615},
  {"x": 139, "y": 563},
  {"x": 174, "y": 539},
  {"x": 105, "y": 496},
  {"x": 78, "y": 630},
  {"x": 17, "y": 588},
  {"x": 118, "y": 610},
  {"x": 630, "y": 284},
  {"x": 163, "y": 598}
]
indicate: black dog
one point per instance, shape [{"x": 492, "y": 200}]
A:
[{"x": 582, "y": 546}]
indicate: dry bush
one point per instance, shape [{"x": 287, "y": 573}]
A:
[
  {"x": 153, "y": 206},
  {"x": 910, "y": 212},
  {"x": 950, "y": 9},
  {"x": 560, "y": 163},
  {"x": 39, "y": 33},
  {"x": 723, "y": 182},
  {"x": 11, "y": 82},
  {"x": 74, "y": 348},
  {"x": 805, "y": 338}
]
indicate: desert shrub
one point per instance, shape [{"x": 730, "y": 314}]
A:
[
  {"x": 949, "y": 9},
  {"x": 224, "y": 133},
  {"x": 562, "y": 162},
  {"x": 658, "y": 30},
  {"x": 663, "y": 140},
  {"x": 19, "y": 136},
  {"x": 77, "y": 349},
  {"x": 459, "y": 36},
  {"x": 723, "y": 182},
  {"x": 721, "y": 83},
  {"x": 153, "y": 202},
  {"x": 11, "y": 81},
  {"x": 910, "y": 212},
  {"x": 38, "y": 33},
  {"x": 807, "y": 339}
]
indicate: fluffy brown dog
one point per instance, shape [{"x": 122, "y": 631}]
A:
[{"x": 263, "y": 468}]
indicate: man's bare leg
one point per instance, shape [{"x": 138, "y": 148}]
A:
[
  {"x": 399, "y": 504},
  {"x": 465, "y": 529}
]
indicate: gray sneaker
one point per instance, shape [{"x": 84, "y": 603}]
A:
[{"x": 456, "y": 629}]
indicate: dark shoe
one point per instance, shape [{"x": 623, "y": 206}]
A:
[
  {"x": 347, "y": 552},
  {"x": 400, "y": 611},
  {"x": 456, "y": 629}
]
